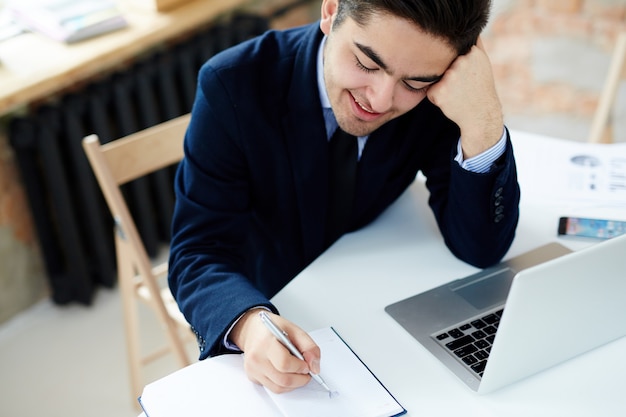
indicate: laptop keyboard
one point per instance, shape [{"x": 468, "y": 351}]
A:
[{"x": 470, "y": 342}]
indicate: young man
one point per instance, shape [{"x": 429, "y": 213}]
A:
[{"x": 411, "y": 80}]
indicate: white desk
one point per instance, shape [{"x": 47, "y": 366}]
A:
[{"x": 402, "y": 254}]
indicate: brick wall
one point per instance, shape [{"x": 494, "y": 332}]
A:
[
  {"x": 22, "y": 280},
  {"x": 551, "y": 57}
]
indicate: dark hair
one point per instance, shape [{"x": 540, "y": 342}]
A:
[{"x": 459, "y": 22}]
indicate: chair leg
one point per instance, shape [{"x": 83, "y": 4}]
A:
[
  {"x": 600, "y": 131},
  {"x": 171, "y": 328},
  {"x": 131, "y": 321},
  {"x": 127, "y": 272}
]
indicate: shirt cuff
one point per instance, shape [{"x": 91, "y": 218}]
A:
[
  {"x": 227, "y": 343},
  {"x": 482, "y": 162}
]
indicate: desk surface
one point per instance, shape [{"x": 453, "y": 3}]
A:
[
  {"x": 402, "y": 254},
  {"x": 33, "y": 67}
]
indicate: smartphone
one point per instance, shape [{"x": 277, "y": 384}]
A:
[{"x": 594, "y": 228}]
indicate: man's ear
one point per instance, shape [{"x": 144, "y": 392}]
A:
[{"x": 329, "y": 10}]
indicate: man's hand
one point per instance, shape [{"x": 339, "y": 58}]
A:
[
  {"x": 467, "y": 95},
  {"x": 267, "y": 361}
]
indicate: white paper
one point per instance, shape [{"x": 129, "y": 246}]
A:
[
  {"x": 213, "y": 387},
  {"x": 357, "y": 392},
  {"x": 219, "y": 386},
  {"x": 572, "y": 172}
]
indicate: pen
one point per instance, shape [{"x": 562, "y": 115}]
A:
[{"x": 281, "y": 335}]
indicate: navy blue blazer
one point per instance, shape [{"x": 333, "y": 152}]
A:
[{"x": 252, "y": 188}]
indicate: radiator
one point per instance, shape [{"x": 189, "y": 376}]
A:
[{"x": 72, "y": 221}]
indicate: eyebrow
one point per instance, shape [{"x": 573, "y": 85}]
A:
[{"x": 376, "y": 58}]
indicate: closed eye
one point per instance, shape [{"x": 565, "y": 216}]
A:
[
  {"x": 406, "y": 83},
  {"x": 362, "y": 67},
  {"x": 430, "y": 80},
  {"x": 416, "y": 90}
]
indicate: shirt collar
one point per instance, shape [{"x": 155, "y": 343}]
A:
[
  {"x": 320, "y": 75},
  {"x": 329, "y": 116}
]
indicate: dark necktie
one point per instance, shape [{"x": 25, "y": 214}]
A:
[{"x": 343, "y": 154}]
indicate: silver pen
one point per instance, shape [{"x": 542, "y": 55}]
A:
[{"x": 281, "y": 335}]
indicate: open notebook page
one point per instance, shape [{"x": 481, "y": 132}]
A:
[
  {"x": 219, "y": 386},
  {"x": 212, "y": 387},
  {"x": 356, "y": 391}
]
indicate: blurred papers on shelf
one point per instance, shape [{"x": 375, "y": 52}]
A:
[
  {"x": 68, "y": 20},
  {"x": 8, "y": 26}
]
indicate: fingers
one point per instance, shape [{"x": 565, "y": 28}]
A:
[
  {"x": 269, "y": 363},
  {"x": 312, "y": 359},
  {"x": 467, "y": 95},
  {"x": 307, "y": 347},
  {"x": 276, "y": 369},
  {"x": 282, "y": 361}
]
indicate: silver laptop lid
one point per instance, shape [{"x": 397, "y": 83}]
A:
[
  {"x": 558, "y": 310},
  {"x": 426, "y": 314}
]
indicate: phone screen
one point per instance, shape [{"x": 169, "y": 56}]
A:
[{"x": 595, "y": 228}]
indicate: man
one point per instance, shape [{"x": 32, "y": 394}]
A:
[{"x": 408, "y": 78}]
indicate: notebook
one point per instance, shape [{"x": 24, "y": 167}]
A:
[
  {"x": 219, "y": 386},
  {"x": 522, "y": 316}
]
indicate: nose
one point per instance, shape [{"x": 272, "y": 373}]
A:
[{"x": 381, "y": 94}]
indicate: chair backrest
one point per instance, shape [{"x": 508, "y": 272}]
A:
[
  {"x": 114, "y": 164},
  {"x": 128, "y": 158}
]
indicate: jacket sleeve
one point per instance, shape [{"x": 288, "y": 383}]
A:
[
  {"x": 477, "y": 213},
  {"x": 207, "y": 274}
]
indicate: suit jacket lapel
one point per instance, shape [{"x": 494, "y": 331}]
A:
[{"x": 305, "y": 133}]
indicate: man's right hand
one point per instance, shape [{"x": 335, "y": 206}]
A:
[{"x": 267, "y": 361}]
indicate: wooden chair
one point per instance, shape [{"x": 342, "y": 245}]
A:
[
  {"x": 601, "y": 131},
  {"x": 114, "y": 164}
]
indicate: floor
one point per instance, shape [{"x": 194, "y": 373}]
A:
[{"x": 70, "y": 361}]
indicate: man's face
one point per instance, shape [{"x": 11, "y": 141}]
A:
[{"x": 377, "y": 72}]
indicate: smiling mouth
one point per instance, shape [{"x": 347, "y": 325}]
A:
[{"x": 363, "y": 106}]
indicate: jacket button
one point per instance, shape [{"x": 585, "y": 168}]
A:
[
  {"x": 499, "y": 192},
  {"x": 498, "y": 201},
  {"x": 498, "y": 218}
]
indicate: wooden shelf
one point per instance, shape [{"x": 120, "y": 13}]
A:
[{"x": 33, "y": 67}]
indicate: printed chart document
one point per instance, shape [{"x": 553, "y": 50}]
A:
[
  {"x": 219, "y": 386},
  {"x": 582, "y": 174}
]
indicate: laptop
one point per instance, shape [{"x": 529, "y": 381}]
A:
[{"x": 524, "y": 315}]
